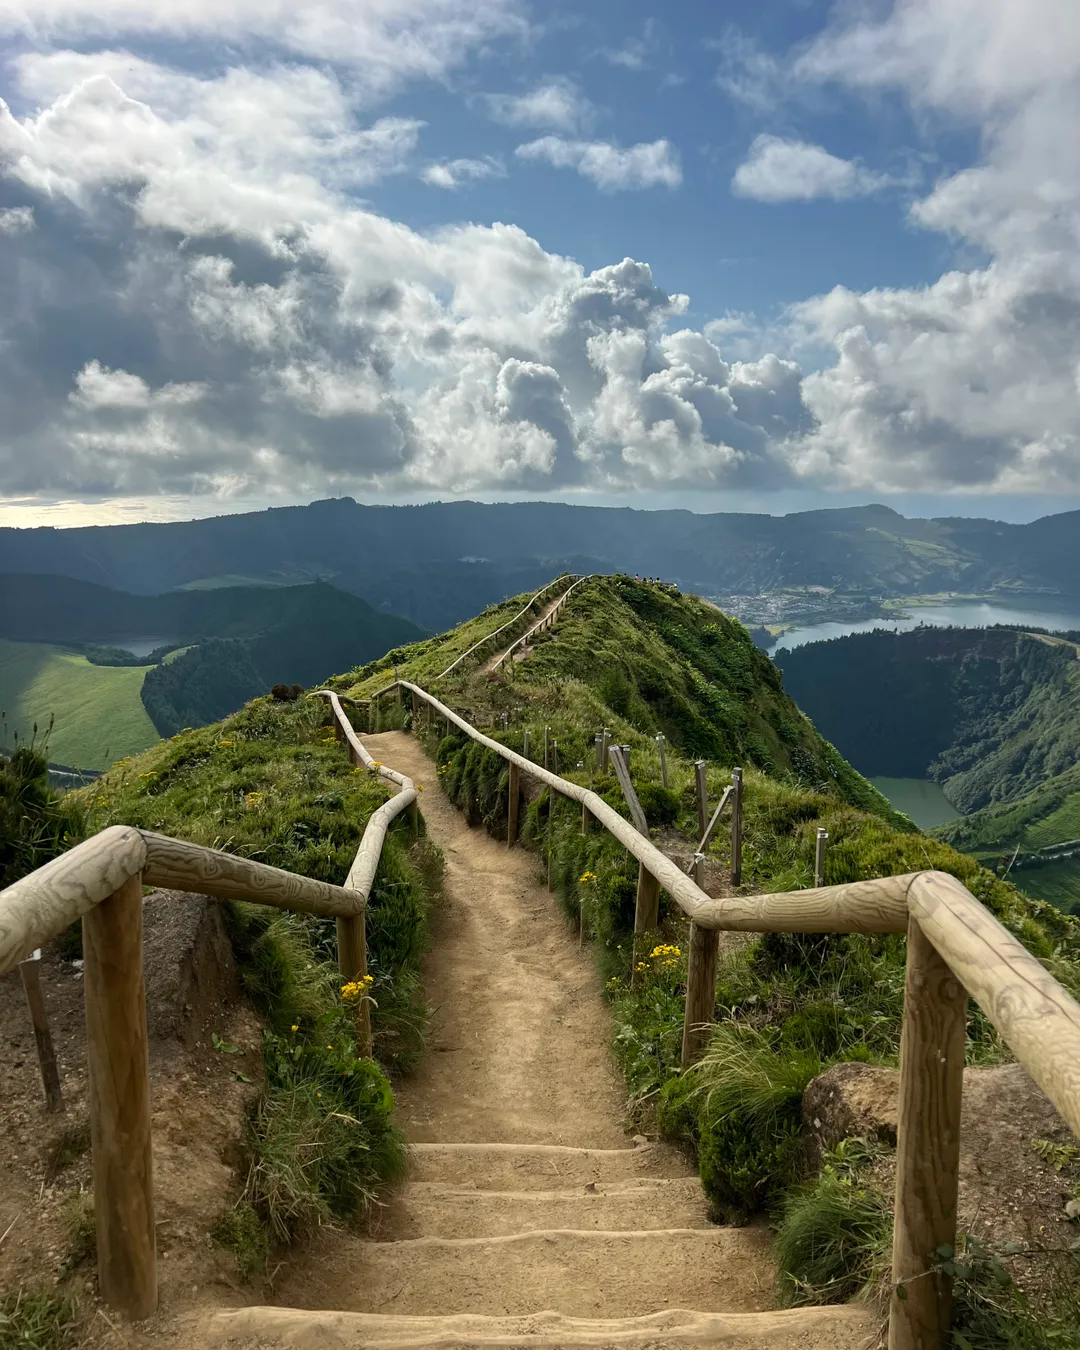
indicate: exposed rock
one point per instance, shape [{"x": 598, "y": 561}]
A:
[
  {"x": 1007, "y": 1190},
  {"x": 849, "y": 1101},
  {"x": 188, "y": 965}
]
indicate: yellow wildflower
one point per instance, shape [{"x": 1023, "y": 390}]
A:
[
  {"x": 296, "y": 1026},
  {"x": 586, "y": 877}
]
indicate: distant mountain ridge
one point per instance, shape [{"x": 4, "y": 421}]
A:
[{"x": 412, "y": 559}]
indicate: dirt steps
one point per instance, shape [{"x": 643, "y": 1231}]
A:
[
  {"x": 430, "y": 1209},
  {"x": 540, "y": 1167},
  {"x": 290, "y": 1329},
  {"x": 529, "y": 1217}
]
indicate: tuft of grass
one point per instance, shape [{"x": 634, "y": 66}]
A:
[
  {"x": 322, "y": 1141},
  {"x": 36, "y": 1320},
  {"x": 243, "y": 1232},
  {"x": 834, "y": 1232}
]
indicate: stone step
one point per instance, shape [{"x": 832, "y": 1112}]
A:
[
  {"x": 835, "y": 1328},
  {"x": 432, "y": 1209},
  {"x": 577, "y": 1273},
  {"x": 540, "y": 1167}
]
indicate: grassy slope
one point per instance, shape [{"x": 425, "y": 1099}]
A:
[{"x": 99, "y": 716}]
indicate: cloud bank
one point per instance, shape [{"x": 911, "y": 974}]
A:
[{"x": 196, "y": 299}]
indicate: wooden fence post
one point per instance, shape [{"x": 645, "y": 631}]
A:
[
  {"x": 525, "y": 743},
  {"x": 119, "y": 1072},
  {"x": 513, "y": 805},
  {"x": 586, "y": 819},
  {"x": 547, "y": 745},
  {"x": 30, "y": 974},
  {"x": 819, "y": 857},
  {"x": 702, "y": 791},
  {"x": 927, "y": 1146},
  {"x": 700, "y": 991},
  {"x": 660, "y": 742},
  {"x": 605, "y": 741},
  {"x": 554, "y": 756},
  {"x": 736, "y": 828},
  {"x": 352, "y": 962},
  {"x": 647, "y": 908}
]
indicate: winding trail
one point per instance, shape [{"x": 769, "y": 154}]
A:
[
  {"x": 548, "y": 609},
  {"x": 530, "y": 1217}
]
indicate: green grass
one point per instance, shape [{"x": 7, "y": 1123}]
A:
[
  {"x": 98, "y": 714},
  {"x": 1056, "y": 882},
  {"x": 36, "y": 1320}
]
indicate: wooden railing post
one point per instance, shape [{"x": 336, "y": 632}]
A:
[
  {"x": 119, "y": 1074},
  {"x": 513, "y": 805},
  {"x": 819, "y": 856},
  {"x": 547, "y": 745},
  {"x": 736, "y": 828},
  {"x": 352, "y": 962},
  {"x": 927, "y": 1146},
  {"x": 586, "y": 819},
  {"x": 30, "y": 974},
  {"x": 647, "y": 908},
  {"x": 700, "y": 991},
  {"x": 660, "y": 743},
  {"x": 702, "y": 793}
]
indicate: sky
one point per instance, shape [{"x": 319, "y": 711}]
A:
[{"x": 726, "y": 256}]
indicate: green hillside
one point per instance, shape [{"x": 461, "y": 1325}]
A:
[
  {"x": 98, "y": 716},
  {"x": 990, "y": 714}
]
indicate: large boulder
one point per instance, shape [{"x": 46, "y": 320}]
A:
[{"x": 1011, "y": 1185}]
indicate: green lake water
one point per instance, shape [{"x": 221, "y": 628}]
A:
[{"x": 918, "y": 798}]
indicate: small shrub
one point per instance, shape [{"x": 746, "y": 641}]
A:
[
  {"x": 661, "y": 806},
  {"x": 322, "y": 1141},
  {"x": 241, "y": 1231},
  {"x": 747, "y": 1100}
]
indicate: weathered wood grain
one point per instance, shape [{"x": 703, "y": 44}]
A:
[
  {"x": 513, "y": 804},
  {"x": 927, "y": 1146},
  {"x": 1037, "y": 1018},
  {"x": 647, "y": 907},
  {"x": 176, "y": 864},
  {"x": 119, "y": 1095},
  {"x": 30, "y": 974},
  {"x": 40, "y": 906}
]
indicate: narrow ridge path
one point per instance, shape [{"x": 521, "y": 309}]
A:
[{"x": 548, "y": 608}]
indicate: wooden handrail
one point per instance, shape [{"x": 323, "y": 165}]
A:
[
  {"x": 543, "y": 623},
  {"x": 501, "y": 629},
  {"x": 956, "y": 949}
]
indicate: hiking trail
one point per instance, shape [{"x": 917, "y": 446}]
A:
[{"x": 530, "y": 1214}]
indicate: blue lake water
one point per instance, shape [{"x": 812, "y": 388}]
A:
[
  {"x": 954, "y": 613},
  {"x": 918, "y": 798}
]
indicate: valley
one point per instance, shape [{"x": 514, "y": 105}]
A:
[{"x": 974, "y": 732}]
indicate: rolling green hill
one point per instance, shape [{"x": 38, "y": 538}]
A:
[
  {"x": 97, "y": 712},
  {"x": 441, "y": 562},
  {"x": 233, "y": 644}
]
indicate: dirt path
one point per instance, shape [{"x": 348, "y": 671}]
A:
[
  {"x": 548, "y": 608},
  {"x": 519, "y": 1046}
]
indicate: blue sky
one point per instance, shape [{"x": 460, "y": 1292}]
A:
[{"x": 252, "y": 252}]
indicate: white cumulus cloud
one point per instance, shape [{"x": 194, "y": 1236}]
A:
[
  {"x": 610, "y": 167},
  {"x": 780, "y": 170}
]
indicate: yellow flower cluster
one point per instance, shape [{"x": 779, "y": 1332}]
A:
[
  {"x": 356, "y": 989},
  {"x": 253, "y": 798},
  {"x": 226, "y": 742},
  {"x": 665, "y": 950},
  {"x": 586, "y": 878}
]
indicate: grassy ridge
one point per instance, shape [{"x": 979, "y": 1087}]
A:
[
  {"x": 638, "y": 660},
  {"x": 98, "y": 715}
]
